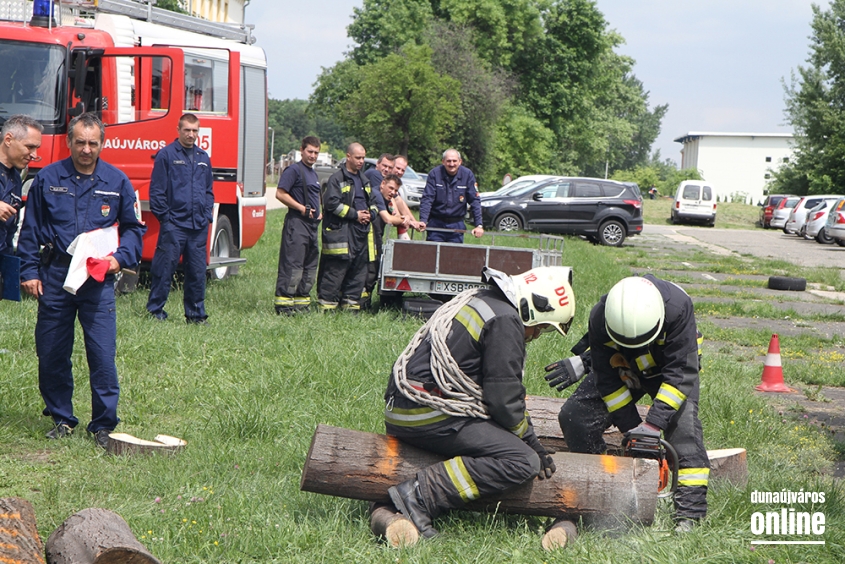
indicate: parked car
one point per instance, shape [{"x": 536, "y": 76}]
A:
[
  {"x": 816, "y": 220},
  {"x": 798, "y": 216},
  {"x": 835, "y": 226},
  {"x": 695, "y": 200},
  {"x": 767, "y": 208},
  {"x": 516, "y": 184},
  {"x": 781, "y": 213},
  {"x": 604, "y": 211}
]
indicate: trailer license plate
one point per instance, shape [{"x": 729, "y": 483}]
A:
[{"x": 455, "y": 287}]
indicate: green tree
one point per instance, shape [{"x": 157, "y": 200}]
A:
[
  {"x": 815, "y": 107},
  {"x": 172, "y": 5},
  {"x": 402, "y": 105},
  {"x": 523, "y": 145},
  {"x": 484, "y": 90},
  {"x": 382, "y": 27}
]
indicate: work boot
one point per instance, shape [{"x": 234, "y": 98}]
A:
[
  {"x": 407, "y": 499},
  {"x": 683, "y": 526},
  {"x": 60, "y": 431}
]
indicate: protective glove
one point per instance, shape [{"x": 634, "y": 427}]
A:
[
  {"x": 642, "y": 430},
  {"x": 566, "y": 372},
  {"x": 547, "y": 463}
]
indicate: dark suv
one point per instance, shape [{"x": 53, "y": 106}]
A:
[{"x": 605, "y": 211}]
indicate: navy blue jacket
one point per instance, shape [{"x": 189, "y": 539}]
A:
[
  {"x": 181, "y": 188},
  {"x": 10, "y": 183},
  {"x": 60, "y": 206},
  {"x": 445, "y": 198}
]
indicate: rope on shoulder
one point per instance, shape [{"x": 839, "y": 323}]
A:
[{"x": 461, "y": 396}]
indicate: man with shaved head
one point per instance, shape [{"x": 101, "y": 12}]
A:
[
  {"x": 349, "y": 205},
  {"x": 449, "y": 189}
]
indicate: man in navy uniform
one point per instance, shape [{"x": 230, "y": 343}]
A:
[
  {"x": 67, "y": 198},
  {"x": 21, "y": 138},
  {"x": 182, "y": 200},
  {"x": 299, "y": 252},
  {"x": 448, "y": 190}
]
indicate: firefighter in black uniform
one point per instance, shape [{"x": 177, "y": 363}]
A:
[
  {"x": 457, "y": 390},
  {"x": 643, "y": 340},
  {"x": 299, "y": 252},
  {"x": 349, "y": 204}
]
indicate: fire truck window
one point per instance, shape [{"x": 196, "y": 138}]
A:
[
  {"x": 206, "y": 84},
  {"x": 32, "y": 83},
  {"x": 143, "y": 88}
]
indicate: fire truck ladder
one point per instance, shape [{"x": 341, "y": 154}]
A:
[{"x": 144, "y": 10}]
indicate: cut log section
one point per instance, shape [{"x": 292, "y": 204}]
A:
[
  {"x": 360, "y": 465},
  {"x": 728, "y": 464},
  {"x": 559, "y": 534},
  {"x": 19, "y": 540},
  {"x": 121, "y": 443},
  {"x": 96, "y": 536},
  {"x": 390, "y": 525}
]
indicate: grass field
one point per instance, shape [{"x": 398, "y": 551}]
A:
[{"x": 247, "y": 391}]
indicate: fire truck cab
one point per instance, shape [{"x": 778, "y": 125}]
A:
[{"x": 139, "y": 69}]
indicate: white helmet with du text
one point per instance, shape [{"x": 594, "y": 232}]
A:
[{"x": 542, "y": 295}]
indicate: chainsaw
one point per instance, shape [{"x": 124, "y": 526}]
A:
[{"x": 644, "y": 446}]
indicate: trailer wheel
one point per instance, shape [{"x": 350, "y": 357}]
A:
[
  {"x": 787, "y": 283},
  {"x": 508, "y": 222},
  {"x": 611, "y": 233},
  {"x": 222, "y": 246}
]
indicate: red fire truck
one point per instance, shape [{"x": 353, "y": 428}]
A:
[{"x": 139, "y": 69}]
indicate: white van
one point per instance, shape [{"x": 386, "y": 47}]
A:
[{"x": 695, "y": 200}]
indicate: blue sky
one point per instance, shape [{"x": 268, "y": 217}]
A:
[{"x": 718, "y": 64}]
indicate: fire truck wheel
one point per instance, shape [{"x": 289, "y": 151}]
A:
[{"x": 222, "y": 246}]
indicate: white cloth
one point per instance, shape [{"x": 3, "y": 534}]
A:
[{"x": 97, "y": 244}]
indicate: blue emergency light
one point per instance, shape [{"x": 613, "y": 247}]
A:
[{"x": 42, "y": 13}]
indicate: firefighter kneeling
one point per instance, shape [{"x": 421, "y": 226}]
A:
[
  {"x": 457, "y": 391},
  {"x": 642, "y": 340}
]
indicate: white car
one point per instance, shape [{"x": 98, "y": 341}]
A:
[
  {"x": 412, "y": 188},
  {"x": 781, "y": 213},
  {"x": 835, "y": 226},
  {"x": 516, "y": 184},
  {"x": 798, "y": 217},
  {"x": 816, "y": 220}
]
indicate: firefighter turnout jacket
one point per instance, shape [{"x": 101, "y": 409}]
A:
[{"x": 341, "y": 203}]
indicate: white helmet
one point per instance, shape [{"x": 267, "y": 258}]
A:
[
  {"x": 633, "y": 312},
  {"x": 541, "y": 295}
]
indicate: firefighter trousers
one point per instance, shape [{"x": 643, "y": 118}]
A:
[
  {"x": 584, "y": 418},
  {"x": 58, "y": 309},
  {"x": 341, "y": 281},
  {"x": 485, "y": 460},
  {"x": 299, "y": 254},
  {"x": 191, "y": 245}
]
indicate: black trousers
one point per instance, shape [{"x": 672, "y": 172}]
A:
[
  {"x": 584, "y": 418},
  {"x": 341, "y": 281},
  {"x": 299, "y": 254},
  {"x": 485, "y": 459}
]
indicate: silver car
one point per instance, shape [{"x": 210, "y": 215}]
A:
[
  {"x": 412, "y": 188},
  {"x": 816, "y": 220},
  {"x": 835, "y": 226},
  {"x": 781, "y": 213}
]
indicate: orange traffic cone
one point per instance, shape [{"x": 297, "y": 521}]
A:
[{"x": 773, "y": 371}]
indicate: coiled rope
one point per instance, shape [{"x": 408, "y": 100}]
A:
[{"x": 461, "y": 397}]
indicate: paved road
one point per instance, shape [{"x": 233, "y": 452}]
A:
[{"x": 769, "y": 243}]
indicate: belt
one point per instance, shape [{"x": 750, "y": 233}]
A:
[
  {"x": 62, "y": 259},
  {"x": 448, "y": 219}
]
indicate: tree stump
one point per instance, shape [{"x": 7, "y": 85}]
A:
[
  {"x": 559, "y": 534},
  {"x": 19, "y": 540},
  {"x": 360, "y": 465},
  {"x": 96, "y": 536},
  {"x": 390, "y": 525},
  {"x": 122, "y": 443}
]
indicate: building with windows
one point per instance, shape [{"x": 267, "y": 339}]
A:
[
  {"x": 226, "y": 11},
  {"x": 738, "y": 165}
]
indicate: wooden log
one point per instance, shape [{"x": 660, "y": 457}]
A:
[
  {"x": 19, "y": 540},
  {"x": 360, "y": 465},
  {"x": 96, "y": 536},
  {"x": 122, "y": 443},
  {"x": 390, "y": 525},
  {"x": 728, "y": 464},
  {"x": 559, "y": 534}
]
